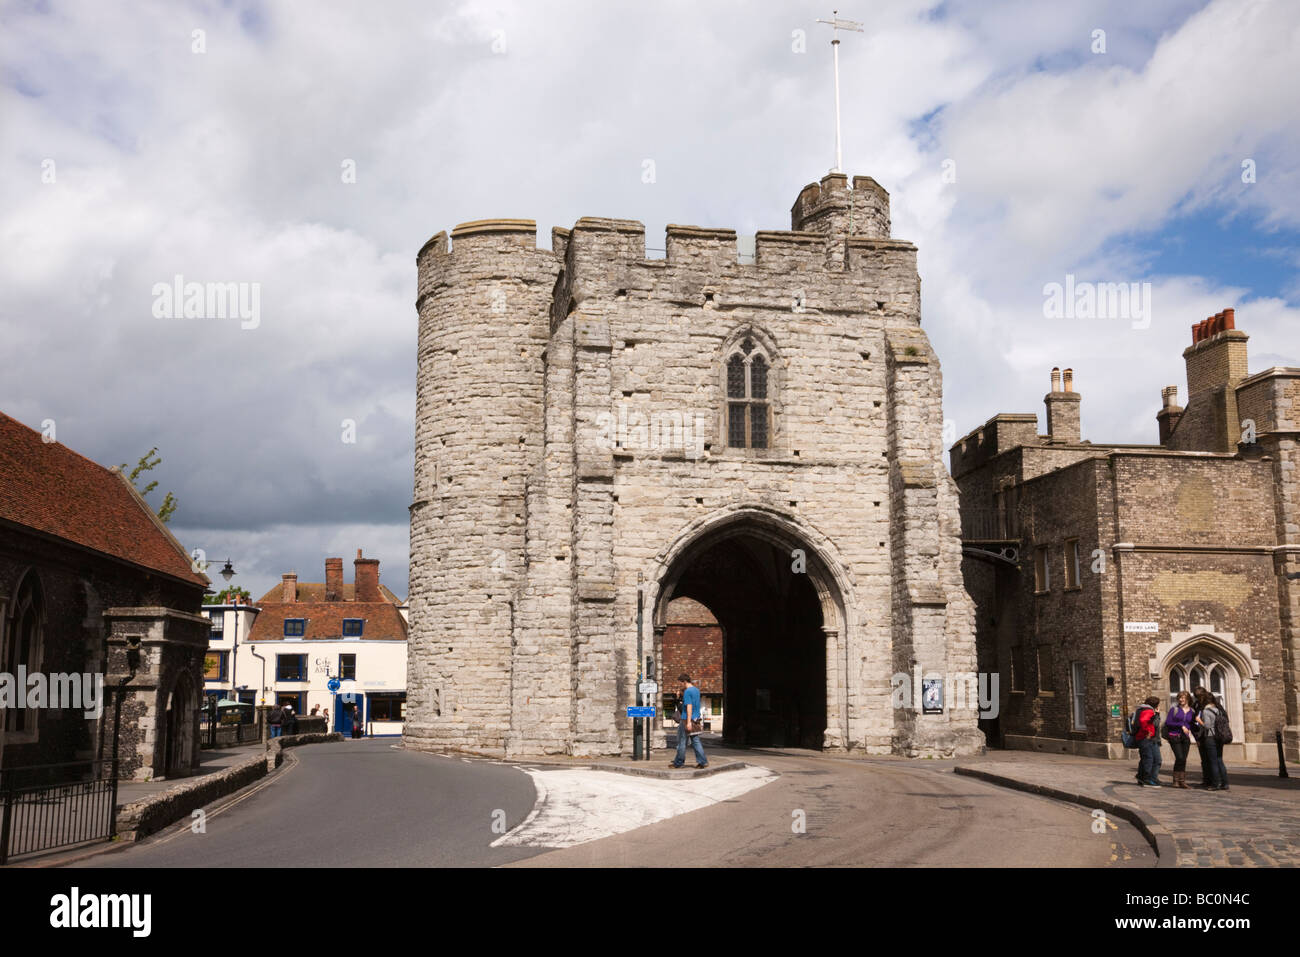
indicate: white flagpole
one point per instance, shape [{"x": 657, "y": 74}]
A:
[{"x": 837, "y": 25}]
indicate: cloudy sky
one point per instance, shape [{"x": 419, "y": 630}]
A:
[{"x": 313, "y": 148}]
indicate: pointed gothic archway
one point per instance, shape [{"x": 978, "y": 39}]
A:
[
  {"x": 778, "y": 600},
  {"x": 179, "y": 721}
]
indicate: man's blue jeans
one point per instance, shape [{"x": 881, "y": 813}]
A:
[
  {"x": 1214, "y": 762},
  {"x": 275, "y": 730},
  {"x": 1149, "y": 760},
  {"x": 682, "y": 735}
]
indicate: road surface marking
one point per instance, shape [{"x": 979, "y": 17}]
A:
[{"x": 576, "y": 806}]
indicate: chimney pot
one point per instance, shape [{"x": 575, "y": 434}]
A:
[
  {"x": 1069, "y": 380},
  {"x": 1229, "y": 319},
  {"x": 1056, "y": 379}
]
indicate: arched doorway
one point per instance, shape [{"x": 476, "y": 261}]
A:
[
  {"x": 780, "y": 613},
  {"x": 179, "y": 745}
]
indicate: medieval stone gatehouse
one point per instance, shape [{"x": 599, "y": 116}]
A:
[{"x": 761, "y": 434}]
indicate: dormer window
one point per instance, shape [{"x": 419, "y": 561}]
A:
[
  {"x": 749, "y": 407},
  {"x": 352, "y": 627},
  {"x": 295, "y": 627}
]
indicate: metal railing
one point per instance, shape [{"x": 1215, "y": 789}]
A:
[
  {"x": 48, "y": 806},
  {"x": 214, "y": 733}
]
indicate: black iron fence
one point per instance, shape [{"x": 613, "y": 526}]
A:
[
  {"x": 48, "y": 806},
  {"x": 225, "y": 733}
]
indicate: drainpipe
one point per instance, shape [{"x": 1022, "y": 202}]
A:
[{"x": 261, "y": 708}]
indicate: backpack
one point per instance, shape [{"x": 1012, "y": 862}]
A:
[
  {"x": 1222, "y": 730},
  {"x": 1126, "y": 736}
]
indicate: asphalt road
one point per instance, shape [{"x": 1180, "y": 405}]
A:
[
  {"x": 365, "y": 803},
  {"x": 354, "y": 803},
  {"x": 888, "y": 812}
]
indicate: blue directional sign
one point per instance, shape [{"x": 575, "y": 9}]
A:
[
  {"x": 633, "y": 711},
  {"x": 333, "y": 685}
]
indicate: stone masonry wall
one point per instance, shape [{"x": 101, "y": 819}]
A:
[{"x": 567, "y": 444}]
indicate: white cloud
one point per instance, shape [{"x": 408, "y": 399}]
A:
[{"x": 225, "y": 166}]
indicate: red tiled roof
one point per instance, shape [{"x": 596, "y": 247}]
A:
[
  {"x": 315, "y": 591},
  {"x": 51, "y": 489},
  {"x": 325, "y": 619}
]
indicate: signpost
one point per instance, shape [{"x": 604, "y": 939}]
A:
[
  {"x": 640, "y": 711},
  {"x": 333, "y": 685}
]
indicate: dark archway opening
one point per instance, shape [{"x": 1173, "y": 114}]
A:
[{"x": 774, "y": 649}]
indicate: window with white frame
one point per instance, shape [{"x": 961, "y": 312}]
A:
[{"x": 1077, "y": 690}]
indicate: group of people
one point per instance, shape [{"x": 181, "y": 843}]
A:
[
  {"x": 282, "y": 720},
  {"x": 1195, "y": 717}
]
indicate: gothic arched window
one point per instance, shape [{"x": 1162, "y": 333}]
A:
[
  {"x": 749, "y": 404},
  {"x": 22, "y": 645}
]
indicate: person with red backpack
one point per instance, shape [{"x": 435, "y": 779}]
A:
[
  {"x": 1214, "y": 734},
  {"x": 1145, "y": 724}
]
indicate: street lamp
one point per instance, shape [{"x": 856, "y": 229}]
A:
[{"x": 228, "y": 572}]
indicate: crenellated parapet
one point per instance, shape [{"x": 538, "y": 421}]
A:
[{"x": 834, "y": 209}]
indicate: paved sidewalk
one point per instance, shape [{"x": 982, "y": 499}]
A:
[
  {"x": 1256, "y": 823},
  {"x": 210, "y": 761}
]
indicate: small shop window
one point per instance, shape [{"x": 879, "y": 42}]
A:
[{"x": 388, "y": 706}]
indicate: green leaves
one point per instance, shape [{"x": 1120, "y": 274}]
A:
[{"x": 147, "y": 462}]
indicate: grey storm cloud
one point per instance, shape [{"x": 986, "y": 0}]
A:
[{"x": 215, "y": 142}]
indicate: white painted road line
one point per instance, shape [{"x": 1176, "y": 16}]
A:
[{"x": 576, "y": 806}]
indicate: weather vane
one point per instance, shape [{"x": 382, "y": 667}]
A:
[{"x": 837, "y": 25}]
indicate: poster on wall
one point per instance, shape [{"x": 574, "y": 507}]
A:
[{"x": 932, "y": 696}]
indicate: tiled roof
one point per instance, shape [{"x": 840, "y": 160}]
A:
[
  {"x": 51, "y": 489},
  {"x": 315, "y": 591},
  {"x": 325, "y": 619}
]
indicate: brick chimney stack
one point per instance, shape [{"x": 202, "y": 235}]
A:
[
  {"x": 290, "y": 583},
  {"x": 1063, "y": 410},
  {"x": 1170, "y": 413},
  {"x": 333, "y": 579},
  {"x": 366, "y": 576},
  {"x": 1216, "y": 363}
]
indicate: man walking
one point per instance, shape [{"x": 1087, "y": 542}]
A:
[
  {"x": 275, "y": 719},
  {"x": 689, "y": 724}
]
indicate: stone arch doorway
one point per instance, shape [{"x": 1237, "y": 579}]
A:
[
  {"x": 178, "y": 747},
  {"x": 778, "y": 605},
  {"x": 1202, "y": 665}
]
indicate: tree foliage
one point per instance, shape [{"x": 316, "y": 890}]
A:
[
  {"x": 146, "y": 463},
  {"x": 223, "y": 597}
]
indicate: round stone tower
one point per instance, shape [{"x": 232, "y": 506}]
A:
[{"x": 484, "y": 314}]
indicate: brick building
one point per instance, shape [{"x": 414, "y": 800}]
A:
[
  {"x": 693, "y": 645},
  {"x": 91, "y": 582},
  {"x": 762, "y": 434},
  {"x": 1104, "y": 573}
]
